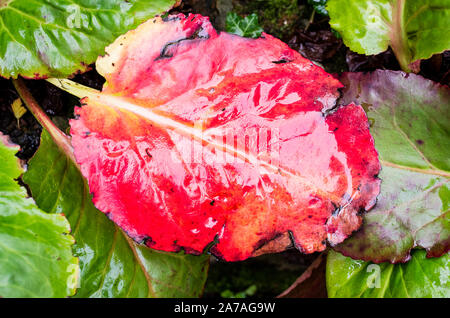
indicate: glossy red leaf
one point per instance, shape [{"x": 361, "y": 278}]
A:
[{"x": 200, "y": 135}]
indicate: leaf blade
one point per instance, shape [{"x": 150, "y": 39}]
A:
[
  {"x": 412, "y": 28},
  {"x": 414, "y": 150},
  {"x": 111, "y": 265},
  {"x": 63, "y": 37},
  {"x": 421, "y": 277},
  {"x": 35, "y": 247},
  {"x": 132, "y": 140}
]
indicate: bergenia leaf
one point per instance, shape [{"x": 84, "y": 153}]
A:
[
  {"x": 201, "y": 136},
  {"x": 35, "y": 247},
  {"x": 421, "y": 277},
  {"x": 247, "y": 26},
  {"x": 414, "y": 29},
  {"x": 409, "y": 118},
  {"x": 112, "y": 265},
  {"x": 40, "y": 39}
]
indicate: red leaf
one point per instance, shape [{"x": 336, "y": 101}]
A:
[{"x": 201, "y": 135}]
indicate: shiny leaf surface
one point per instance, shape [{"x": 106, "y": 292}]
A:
[
  {"x": 41, "y": 39},
  {"x": 35, "y": 247},
  {"x": 414, "y": 29},
  {"x": 200, "y": 136},
  {"x": 421, "y": 277},
  {"x": 409, "y": 122},
  {"x": 112, "y": 265}
]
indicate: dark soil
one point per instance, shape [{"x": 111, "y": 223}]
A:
[
  {"x": 290, "y": 20},
  {"x": 269, "y": 274},
  {"x": 57, "y": 104},
  {"x": 26, "y": 132}
]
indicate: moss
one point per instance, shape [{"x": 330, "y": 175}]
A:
[{"x": 277, "y": 17}]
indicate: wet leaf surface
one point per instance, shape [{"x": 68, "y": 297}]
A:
[
  {"x": 41, "y": 39},
  {"x": 35, "y": 247},
  {"x": 28, "y": 134},
  {"x": 112, "y": 265},
  {"x": 176, "y": 163},
  {"x": 409, "y": 118},
  {"x": 421, "y": 277}
]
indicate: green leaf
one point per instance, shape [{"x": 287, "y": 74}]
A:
[
  {"x": 414, "y": 29},
  {"x": 421, "y": 277},
  {"x": 319, "y": 6},
  {"x": 57, "y": 38},
  {"x": 409, "y": 118},
  {"x": 112, "y": 265},
  {"x": 247, "y": 27},
  {"x": 35, "y": 247}
]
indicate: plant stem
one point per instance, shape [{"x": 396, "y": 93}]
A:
[
  {"x": 74, "y": 88},
  {"x": 61, "y": 139},
  {"x": 313, "y": 276},
  {"x": 399, "y": 41},
  {"x": 311, "y": 20}
]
